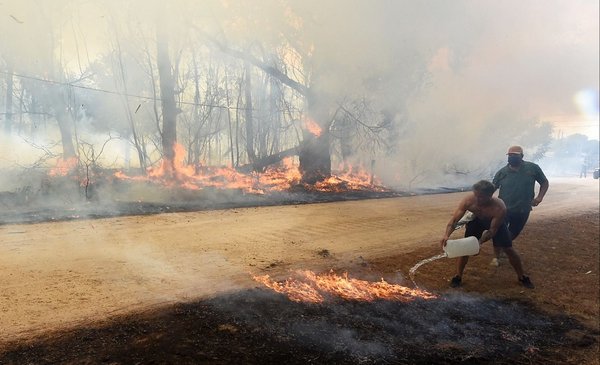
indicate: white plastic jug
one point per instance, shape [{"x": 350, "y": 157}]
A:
[{"x": 467, "y": 246}]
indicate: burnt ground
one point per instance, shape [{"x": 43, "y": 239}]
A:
[
  {"x": 65, "y": 211},
  {"x": 260, "y": 327},
  {"x": 491, "y": 319},
  {"x": 481, "y": 323}
]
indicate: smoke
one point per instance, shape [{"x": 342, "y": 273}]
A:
[
  {"x": 461, "y": 80},
  {"x": 453, "y": 326}
]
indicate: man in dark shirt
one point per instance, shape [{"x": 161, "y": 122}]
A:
[{"x": 516, "y": 182}]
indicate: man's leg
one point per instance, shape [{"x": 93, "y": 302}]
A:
[
  {"x": 460, "y": 268},
  {"x": 516, "y": 223},
  {"x": 515, "y": 261}
]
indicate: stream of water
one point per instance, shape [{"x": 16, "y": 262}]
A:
[{"x": 412, "y": 271}]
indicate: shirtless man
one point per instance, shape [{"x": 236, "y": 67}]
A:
[{"x": 488, "y": 224}]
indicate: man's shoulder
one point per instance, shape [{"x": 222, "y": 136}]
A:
[
  {"x": 532, "y": 167},
  {"x": 531, "y": 164},
  {"x": 468, "y": 198},
  {"x": 503, "y": 168},
  {"x": 499, "y": 202},
  {"x": 503, "y": 171}
]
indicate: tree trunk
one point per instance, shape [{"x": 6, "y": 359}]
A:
[
  {"x": 167, "y": 97},
  {"x": 249, "y": 117},
  {"x": 229, "y": 128},
  {"x": 66, "y": 134},
  {"x": 9, "y": 99},
  {"x": 315, "y": 155},
  {"x": 125, "y": 101},
  {"x": 262, "y": 163},
  {"x": 315, "y": 158}
]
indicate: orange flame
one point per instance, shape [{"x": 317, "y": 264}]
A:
[
  {"x": 63, "y": 166},
  {"x": 195, "y": 177},
  {"x": 315, "y": 288},
  {"x": 275, "y": 178},
  {"x": 350, "y": 181},
  {"x": 281, "y": 178},
  {"x": 312, "y": 127}
]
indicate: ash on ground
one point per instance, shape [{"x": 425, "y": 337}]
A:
[{"x": 258, "y": 326}]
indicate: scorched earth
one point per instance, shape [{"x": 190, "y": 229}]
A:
[{"x": 179, "y": 287}]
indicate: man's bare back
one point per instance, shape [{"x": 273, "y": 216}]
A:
[{"x": 489, "y": 209}]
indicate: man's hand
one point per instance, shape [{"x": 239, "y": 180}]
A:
[
  {"x": 536, "y": 201},
  {"x": 444, "y": 241}
]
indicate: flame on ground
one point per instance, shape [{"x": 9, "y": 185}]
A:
[
  {"x": 275, "y": 178},
  {"x": 313, "y": 288},
  {"x": 63, "y": 166},
  {"x": 350, "y": 180},
  {"x": 191, "y": 177}
]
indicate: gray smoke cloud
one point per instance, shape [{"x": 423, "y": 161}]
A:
[{"x": 461, "y": 80}]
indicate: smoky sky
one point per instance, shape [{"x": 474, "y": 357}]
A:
[
  {"x": 450, "y": 70},
  {"x": 532, "y": 55}
]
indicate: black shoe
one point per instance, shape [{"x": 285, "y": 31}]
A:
[
  {"x": 526, "y": 282},
  {"x": 455, "y": 282}
]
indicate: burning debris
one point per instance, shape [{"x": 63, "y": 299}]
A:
[
  {"x": 284, "y": 177},
  {"x": 66, "y": 190},
  {"x": 63, "y": 167},
  {"x": 317, "y": 288}
]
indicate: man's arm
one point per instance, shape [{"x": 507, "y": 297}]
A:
[
  {"x": 543, "y": 189},
  {"x": 456, "y": 216},
  {"x": 541, "y": 178},
  {"x": 497, "y": 178}
]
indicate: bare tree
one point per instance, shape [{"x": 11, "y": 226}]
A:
[
  {"x": 167, "y": 97},
  {"x": 9, "y": 97},
  {"x": 137, "y": 141}
]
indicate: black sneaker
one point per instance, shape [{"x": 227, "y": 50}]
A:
[
  {"x": 455, "y": 282},
  {"x": 526, "y": 282}
]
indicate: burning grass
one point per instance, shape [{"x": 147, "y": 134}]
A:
[
  {"x": 62, "y": 198},
  {"x": 69, "y": 192},
  {"x": 316, "y": 288},
  {"x": 259, "y": 326},
  {"x": 278, "y": 177}
]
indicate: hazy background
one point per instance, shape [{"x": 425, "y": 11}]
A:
[{"x": 459, "y": 81}]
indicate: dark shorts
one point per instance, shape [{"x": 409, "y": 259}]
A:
[
  {"x": 477, "y": 226},
  {"x": 516, "y": 222}
]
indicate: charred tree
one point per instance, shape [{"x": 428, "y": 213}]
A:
[
  {"x": 124, "y": 98},
  {"x": 167, "y": 98},
  {"x": 249, "y": 117},
  {"x": 314, "y": 153},
  {"x": 229, "y": 128},
  {"x": 58, "y": 101},
  {"x": 315, "y": 158},
  {"x": 66, "y": 134},
  {"x": 9, "y": 100},
  {"x": 261, "y": 164}
]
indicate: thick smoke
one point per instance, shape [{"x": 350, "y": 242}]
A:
[{"x": 459, "y": 80}]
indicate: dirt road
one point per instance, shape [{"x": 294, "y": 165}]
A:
[{"x": 56, "y": 275}]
